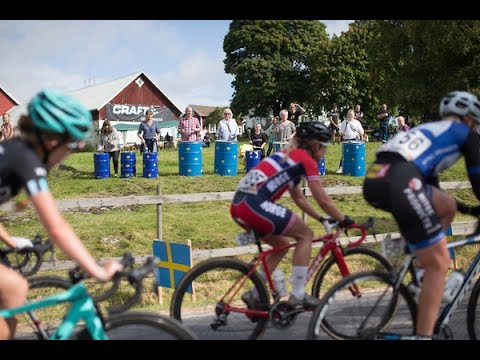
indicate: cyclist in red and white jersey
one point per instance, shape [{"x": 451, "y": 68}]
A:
[{"x": 254, "y": 206}]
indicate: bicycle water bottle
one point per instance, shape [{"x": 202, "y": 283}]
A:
[
  {"x": 278, "y": 278},
  {"x": 452, "y": 286}
]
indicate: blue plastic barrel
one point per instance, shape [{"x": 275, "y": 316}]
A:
[
  {"x": 354, "y": 159},
  {"x": 252, "y": 158},
  {"x": 190, "y": 158},
  {"x": 321, "y": 166},
  {"x": 277, "y": 146},
  {"x": 101, "y": 162},
  {"x": 150, "y": 165},
  {"x": 128, "y": 163},
  {"x": 226, "y": 158}
]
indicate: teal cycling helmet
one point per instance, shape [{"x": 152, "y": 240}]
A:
[{"x": 54, "y": 112}]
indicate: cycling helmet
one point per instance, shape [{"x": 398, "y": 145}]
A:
[
  {"x": 314, "y": 130},
  {"x": 54, "y": 112},
  {"x": 460, "y": 103}
]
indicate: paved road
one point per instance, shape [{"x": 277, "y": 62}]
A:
[{"x": 298, "y": 329}]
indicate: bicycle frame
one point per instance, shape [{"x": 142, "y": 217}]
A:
[
  {"x": 82, "y": 308},
  {"x": 449, "y": 308},
  {"x": 330, "y": 244}
]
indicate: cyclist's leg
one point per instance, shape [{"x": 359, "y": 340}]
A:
[
  {"x": 422, "y": 211},
  {"x": 13, "y": 292}
]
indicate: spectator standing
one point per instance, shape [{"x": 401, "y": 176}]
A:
[
  {"x": 273, "y": 132},
  {"x": 110, "y": 143},
  {"x": 259, "y": 139},
  {"x": 189, "y": 126},
  {"x": 148, "y": 133},
  {"x": 286, "y": 127},
  {"x": 294, "y": 112},
  {"x": 383, "y": 116},
  {"x": 334, "y": 127},
  {"x": 401, "y": 124},
  {"x": 358, "y": 114},
  {"x": 227, "y": 127},
  {"x": 350, "y": 130},
  {"x": 8, "y": 129}
]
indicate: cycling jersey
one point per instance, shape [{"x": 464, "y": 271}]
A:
[
  {"x": 435, "y": 146},
  {"x": 20, "y": 168},
  {"x": 253, "y": 204}
]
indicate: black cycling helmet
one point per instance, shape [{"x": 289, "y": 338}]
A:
[
  {"x": 460, "y": 103},
  {"x": 314, "y": 130}
]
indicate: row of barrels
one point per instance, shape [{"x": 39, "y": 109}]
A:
[{"x": 226, "y": 160}]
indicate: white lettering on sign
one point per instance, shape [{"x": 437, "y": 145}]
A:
[{"x": 133, "y": 110}]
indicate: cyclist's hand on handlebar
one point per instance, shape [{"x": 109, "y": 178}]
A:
[
  {"x": 22, "y": 243},
  {"x": 111, "y": 267},
  {"x": 346, "y": 222}
]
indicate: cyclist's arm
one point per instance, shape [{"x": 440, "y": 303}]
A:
[
  {"x": 323, "y": 200},
  {"x": 471, "y": 153},
  {"x": 303, "y": 203},
  {"x": 65, "y": 238}
]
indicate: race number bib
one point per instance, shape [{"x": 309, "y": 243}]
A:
[
  {"x": 410, "y": 144},
  {"x": 249, "y": 183}
]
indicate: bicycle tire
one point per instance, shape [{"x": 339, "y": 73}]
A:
[
  {"x": 212, "y": 279},
  {"x": 329, "y": 274},
  {"x": 346, "y": 313},
  {"x": 140, "y": 325},
  {"x": 472, "y": 317},
  {"x": 49, "y": 318}
]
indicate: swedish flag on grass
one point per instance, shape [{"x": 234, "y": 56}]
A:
[{"x": 174, "y": 261}]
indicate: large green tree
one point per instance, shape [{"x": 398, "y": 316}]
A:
[
  {"x": 416, "y": 63},
  {"x": 271, "y": 61}
]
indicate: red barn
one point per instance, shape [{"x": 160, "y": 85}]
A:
[{"x": 7, "y": 101}]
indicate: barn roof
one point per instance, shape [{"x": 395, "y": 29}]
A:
[
  {"x": 204, "y": 111},
  {"x": 9, "y": 95}
]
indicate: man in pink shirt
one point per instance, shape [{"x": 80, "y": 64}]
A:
[{"x": 189, "y": 126}]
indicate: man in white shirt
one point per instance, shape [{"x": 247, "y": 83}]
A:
[{"x": 350, "y": 130}]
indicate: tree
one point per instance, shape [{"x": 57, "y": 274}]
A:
[
  {"x": 214, "y": 117},
  {"x": 271, "y": 62}
]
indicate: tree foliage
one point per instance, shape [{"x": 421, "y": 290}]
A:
[{"x": 271, "y": 62}]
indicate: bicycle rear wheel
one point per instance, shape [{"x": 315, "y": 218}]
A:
[
  {"x": 207, "y": 316},
  {"x": 44, "y": 321},
  {"x": 375, "y": 307}
]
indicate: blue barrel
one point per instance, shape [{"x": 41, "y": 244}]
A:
[
  {"x": 354, "y": 159},
  {"x": 128, "y": 163},
  {"x": 252, "y": 158},
  {"x": 150, "y": 165},
  {"x": 321, "y": 166},
  {"x": 277, "y": 145},
  {"x": 190, "y": 158},
  {"x": 101, "y": 162},
  {"x": 226, "y": 158}
]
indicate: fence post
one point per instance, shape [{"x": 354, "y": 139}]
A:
[{"x": 159, "y": 216}]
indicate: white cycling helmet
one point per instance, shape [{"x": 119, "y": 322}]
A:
[{"x": 460, "y": 103}]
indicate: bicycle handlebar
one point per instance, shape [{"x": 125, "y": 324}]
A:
[
  {"x": 330, "y": 223},
  {"x": 23, "y": 265},
  {"x": 134, "y": 276}
]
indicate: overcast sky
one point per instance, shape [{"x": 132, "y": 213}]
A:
[{"x": 183, "y": 57}]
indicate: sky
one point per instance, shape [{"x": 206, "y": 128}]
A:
[{"x": 184, "y": 58}]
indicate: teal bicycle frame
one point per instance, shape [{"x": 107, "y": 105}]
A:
[{"x": 82, "y": 308}]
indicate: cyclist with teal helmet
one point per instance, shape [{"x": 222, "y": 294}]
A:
[{"x": 56, "y": 125}]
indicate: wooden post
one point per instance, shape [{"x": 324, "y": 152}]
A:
[{"x": 159, "y": 216}]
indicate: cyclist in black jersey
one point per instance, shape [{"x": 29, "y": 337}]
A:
[
  {"x": 404, "y": 181},
  {"x": 56, "y": 125}
]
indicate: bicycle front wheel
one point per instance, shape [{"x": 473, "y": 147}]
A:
[
  {"x": 473, "y": 323},
  {"x": 41, "y": 323},
  {"x": 357, "y": 259},
  {"x": 361, "y": 305},
  {"x": 210, "y": 313}
]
